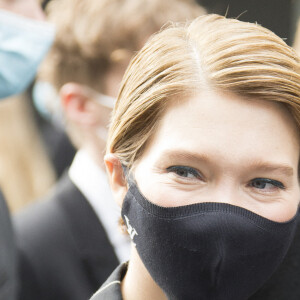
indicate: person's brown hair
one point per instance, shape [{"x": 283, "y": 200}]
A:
[
  {"x": 95, "y": 35},
  {"x": 213, "y": 53}
]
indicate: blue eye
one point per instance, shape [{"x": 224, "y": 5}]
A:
[
  {"x": 266, "y": 184},
  {"x": 183, "y": 171}
]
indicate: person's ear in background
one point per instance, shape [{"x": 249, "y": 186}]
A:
[{"x": 89, "y": 112}]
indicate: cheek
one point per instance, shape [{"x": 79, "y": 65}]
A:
[
  {"x": 148, "y": 185},
  {"x": 285, "y": 210},
  {"x": 282, "y": 214},
  {"x": 154, "y": 187},
  {"x": 157, "y": 188}
]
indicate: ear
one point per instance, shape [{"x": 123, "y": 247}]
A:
[
  {"x": 116, "y": 176},
  {"x": 78, "y": 105}
]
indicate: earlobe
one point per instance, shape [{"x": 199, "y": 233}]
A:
[{"x": 116, "y": 176}]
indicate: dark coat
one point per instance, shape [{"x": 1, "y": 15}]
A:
[
  {"x": 111, "y": 289},
  {"x": 63, "y": 249},
  {"x": 8, "y": 271}
]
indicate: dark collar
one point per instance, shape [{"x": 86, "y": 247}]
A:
[{"x": 111, "y": 289}]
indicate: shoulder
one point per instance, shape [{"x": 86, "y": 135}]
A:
[
  {"x": 49, "y": 213},
  {"x": 44, "y": 216},
  {"x": 111, "y": 289},
  {"x": 49, "y": 242},
  {"x": 8, "y": 276},
  {"x": 44, "y": 231}
]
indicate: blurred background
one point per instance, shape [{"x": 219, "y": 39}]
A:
[
  {"x": 35, "y": 152},
  {"x": 278, "y": 15}
]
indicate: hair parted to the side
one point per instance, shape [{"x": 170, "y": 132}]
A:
[
  {"x": 93, "y": 36},
  {"x": 213, "y": 53}
]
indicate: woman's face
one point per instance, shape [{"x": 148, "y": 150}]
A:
[{"x": 221, "y": 148}]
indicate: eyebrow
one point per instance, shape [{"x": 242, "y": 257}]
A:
[
  {"x": 185, "y": 155},
  {"x": 254, "y": 164},
  {"x": 273, "y": 167}
]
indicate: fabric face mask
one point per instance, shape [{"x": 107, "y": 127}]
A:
[
  {"x": 23, "y": 44},
  {"x": 212, "y": 251}
]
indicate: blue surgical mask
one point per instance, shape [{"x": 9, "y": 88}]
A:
[
  {"x": 23, "y": 44},
  {"x": 47, "y": 102}
]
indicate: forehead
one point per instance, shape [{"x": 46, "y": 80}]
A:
[{"x": 225, "y": 125}]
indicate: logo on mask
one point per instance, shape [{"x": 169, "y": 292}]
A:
[{"x": 131, "y": 231}]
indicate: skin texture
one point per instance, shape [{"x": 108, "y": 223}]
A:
[
  {"x": 229, "y": 142},
  {"x": 27, "y": 8},
  {"x": 214, "y": 147}
]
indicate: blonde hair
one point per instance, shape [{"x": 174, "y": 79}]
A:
[
  {"x": 212, "y": 53},
  {"x": 95, "y": 35}
]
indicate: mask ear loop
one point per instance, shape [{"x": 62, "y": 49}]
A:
[
  {"x": 106, "y": 101},
  {"x": 130, "y": 181},
  {"x": 128, "y": 176}
]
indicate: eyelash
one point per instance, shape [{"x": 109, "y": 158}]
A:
[
  {"x": 177, "y": 169},
  {"x": 275, "y": 183},
  {"x": 196, "y": 174}
]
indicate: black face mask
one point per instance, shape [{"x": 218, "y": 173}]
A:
[{"x": 209, "y": 251}]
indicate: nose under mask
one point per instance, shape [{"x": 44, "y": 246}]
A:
[{"x": 213, "y": 251}]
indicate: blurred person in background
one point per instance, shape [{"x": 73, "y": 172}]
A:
[
  {"x": 26, "y": 172},
  {"x": 24, "y": 40},
  {"x": 203, "y": 158},
  {"x": 8, "y": 255},
  {"x": 69, "y": 243}
]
